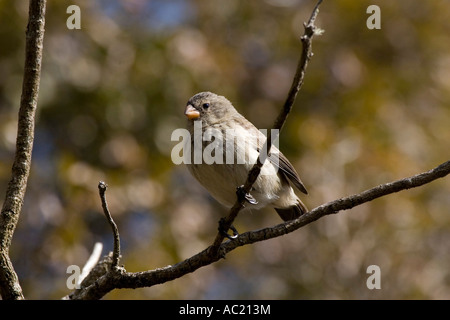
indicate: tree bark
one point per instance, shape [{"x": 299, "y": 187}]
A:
[{"x": 15, "y": 193}]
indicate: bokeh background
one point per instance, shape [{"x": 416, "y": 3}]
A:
[{"x": 374, "y": 108}]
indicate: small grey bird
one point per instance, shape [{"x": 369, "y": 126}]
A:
[{"x": 237, "y": 142}]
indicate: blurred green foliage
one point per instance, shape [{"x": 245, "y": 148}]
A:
[{"x": 374, "y": 108}]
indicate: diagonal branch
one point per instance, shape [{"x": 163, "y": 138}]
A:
[
  {"x": 15, "y": 193},
  {"x": 161, "y": 275},
  {"x": 341, "y": 204},
  {"x": 310, "y": 31}
]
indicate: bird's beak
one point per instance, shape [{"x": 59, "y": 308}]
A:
[{"x": 191, "y": 113}]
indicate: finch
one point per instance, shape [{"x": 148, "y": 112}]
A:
[{"x": 238, "y": 143}]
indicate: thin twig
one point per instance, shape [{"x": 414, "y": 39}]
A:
[
  {"x": 91, "y": 262},
  {"x": 102, "y": 186},
  {"x": 310, "y": 31},
  {"x": 15, "y": 193}
]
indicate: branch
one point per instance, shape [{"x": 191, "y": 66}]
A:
[
  {"x": 116, "y": 251},
  {"x": 108, "y": 268},
  {"x": 109, "y": 282},
  {"x": 15, "y": 192},
  {"x": 341, "y": 204},
  {"x": 310, "y": 31},
  {"x": 102, "y": 268}
]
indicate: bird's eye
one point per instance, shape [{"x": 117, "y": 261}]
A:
[{"x": 205, "y": 105}]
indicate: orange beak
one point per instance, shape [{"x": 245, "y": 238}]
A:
[{"x": 191, "y": 113}]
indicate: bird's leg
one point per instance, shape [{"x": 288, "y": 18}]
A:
[
  {"x": 243, "y": 195},
  {"x": 225, "y": 232}
]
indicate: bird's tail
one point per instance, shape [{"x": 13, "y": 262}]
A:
[{"x": 292, "y": 212}]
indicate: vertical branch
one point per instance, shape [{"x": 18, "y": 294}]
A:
[
  {"x": 15, "y": 193},
  {"x": 116, "y": 251},
  {"x": 297, "y": 83},
  {"x": 310, "y": 31}
]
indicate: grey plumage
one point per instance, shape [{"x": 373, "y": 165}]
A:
[{"x": 273, "y": 186}]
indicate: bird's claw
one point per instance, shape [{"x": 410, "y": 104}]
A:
[
  {"x": 225, "y": 232},
  {"x": 250, "y": 199},
  {"x": 243, "y": 195}
]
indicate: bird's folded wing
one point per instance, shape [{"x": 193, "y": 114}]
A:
[
  {"x": 287, "y": 169},
  {"x": 279, "y": 160}
]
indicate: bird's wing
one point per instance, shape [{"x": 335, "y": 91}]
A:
[
  {"x": 287, "y": 169},
  {"x": 279, "y": 160}
]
